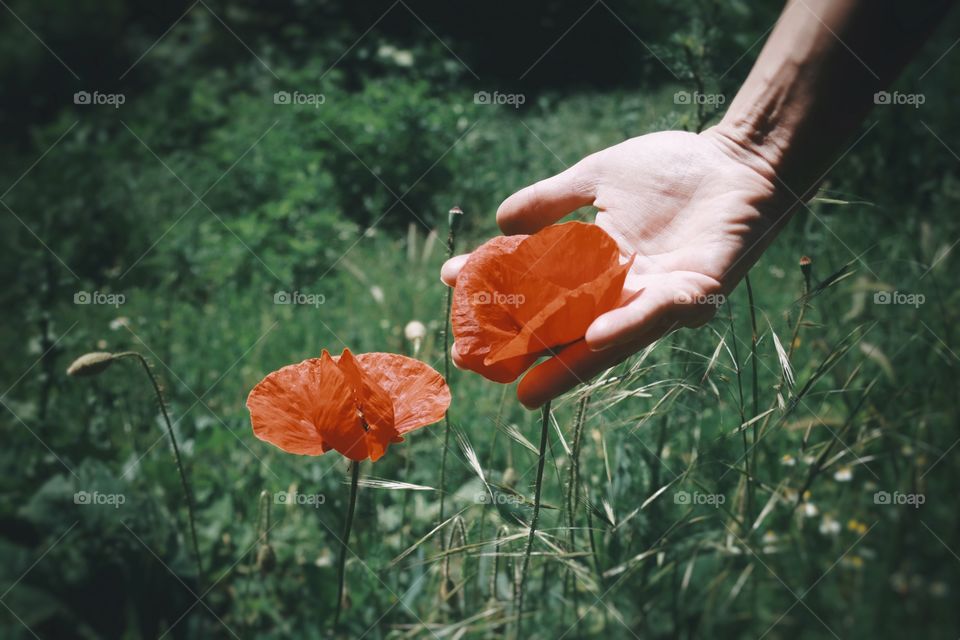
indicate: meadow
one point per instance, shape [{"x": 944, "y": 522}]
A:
[{"x": 786, "y": 471}]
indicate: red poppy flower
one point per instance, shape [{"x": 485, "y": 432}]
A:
[
  {"x": 357, "y": 405},
  {"x": 517, "y": 297}
]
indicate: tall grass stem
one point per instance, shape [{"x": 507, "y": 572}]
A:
[
  {"x": 184, "y": 481},
  {"x": 544, "y": 435}
]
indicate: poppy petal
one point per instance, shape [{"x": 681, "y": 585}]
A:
[
  {"x": 374, "y": 405},
  {"x": 565, "y": 318},
  {"x": 476, "y": 324},
  {"x": 420, "y": 394},
  {"x": 569, "y": 254},
  {"x": 294, "y": 407},
  {"x": 518, "y": 297}
]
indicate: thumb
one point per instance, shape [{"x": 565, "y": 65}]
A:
[
  {"x": 545, "y": 202},
  {"x": 645, "y": 312},
  {"x": 664, "y": 303}
]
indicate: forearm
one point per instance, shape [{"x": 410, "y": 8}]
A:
[{"x": 815, "y": 81}]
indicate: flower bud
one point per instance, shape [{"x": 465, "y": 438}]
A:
[{"x": 90, "y": 364}]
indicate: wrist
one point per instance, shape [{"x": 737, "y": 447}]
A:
[{"x": 770, "y": 128}]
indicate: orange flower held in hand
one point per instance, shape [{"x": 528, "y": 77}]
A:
[
  {"x": 518, "y": 297},
  {"x": 357, "y": 405}
]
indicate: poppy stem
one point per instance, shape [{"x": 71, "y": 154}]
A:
[
  {"x": 184, "y": 482},
  {"x": 544, "y": 434},
  {"x": 451, "y": 238},
  {"x": 345, "y": 538}
]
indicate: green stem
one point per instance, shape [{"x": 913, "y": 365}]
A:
[
  {"x": 345, "y": 538},
  {"x": 544, "y": 434},
  {"x": 184, "y": 482},
  {"x": 573, "y": 490},
  {"x": 446, "y": 375},
  {"x": 493, "y": 448},
  {"x": 752, "y": 466}
]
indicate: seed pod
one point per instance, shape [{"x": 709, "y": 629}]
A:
[
  {"x": 91, "y": 364},
  {"x": 415, "y": 332},
  {"x": 805, "y": 266},
  {"x": 453, "y": 216}
]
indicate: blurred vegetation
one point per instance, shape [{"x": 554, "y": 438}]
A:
[{"x": 201, "y": 197}]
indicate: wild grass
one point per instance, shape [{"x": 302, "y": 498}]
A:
[{"x": 720, "y": 483}]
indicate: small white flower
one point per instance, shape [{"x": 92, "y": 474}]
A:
[
  {"x": 788, "y": 460},
  {"x": 377, "y": 294},
  {"x": 829, "y": 526},
  {"x": 843, "y": 474},
  {"x": 403, "y": 58},
  {"x": 810, "y": 510},
  {"x": 119, "y": 323}
]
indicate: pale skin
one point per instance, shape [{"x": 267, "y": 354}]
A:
[{"x": 698, "y": 210}]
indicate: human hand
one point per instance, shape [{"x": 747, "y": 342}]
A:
[{"x": 696, "y": 209}]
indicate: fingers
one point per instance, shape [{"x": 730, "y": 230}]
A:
[
  {"x": 545, "y": 202},
  {"x": 572, "y": 366},
  {"x": 451, "y": 269},
  {"x": 648, "y": 309}
]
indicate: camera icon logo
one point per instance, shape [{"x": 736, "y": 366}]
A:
[
  {"x": 681, "y": 97},
  {"x": 481, "y": 97},
  {"x": 281, "y": 497},
  {"x": 82, "y": 297},
  {"x": 881, "y": 97},
  {"x": 81, "y": 97},
  {"x": 281, "y": 97},
  {"x": 882, "y": 297},
  {"x": 681, "y": 497},
  {"x": 881, "y": 497},
  {"x": 81, "y": 497},
  {"x": 282, "y": 297},
  {"x": 482, "y": 297}
]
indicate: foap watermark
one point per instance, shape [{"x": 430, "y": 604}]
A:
[
  {"x": 712, "y": 499},
  {"x": 97, "y": 98},
  {"x": 498, "y": 298},
  {"x": 707, "y": 299},
  {"x": 709, "y": 99},
  {"x": 498, "y": 498},
  {"x": 86, "y": 498},
  {"x": 310, "y": 99},
  {"x": 99, "y": 297},
  {"x": 299, "y": 499},
  {"x": 899, "y": 297},
  {"x": 896, "y": 98},
  {"x": 512, "y": 99},
  {"x": 299, "y": 297},
  {"x": 899, "y": 499}
]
